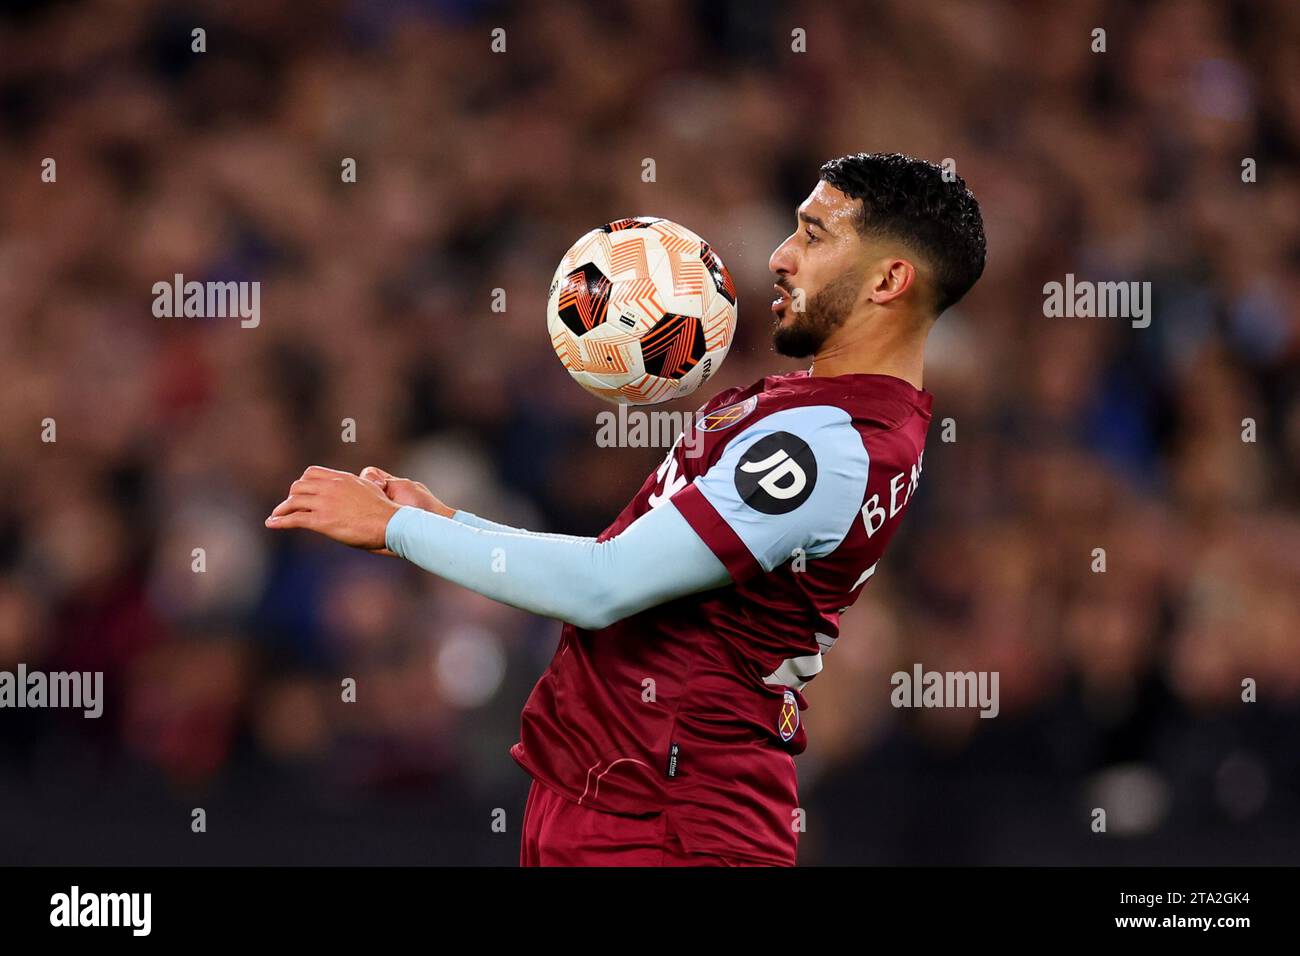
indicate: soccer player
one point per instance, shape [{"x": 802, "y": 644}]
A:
[{"x": 663, "y": 731}]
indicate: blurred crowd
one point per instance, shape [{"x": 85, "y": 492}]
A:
[{"x": 1174, "y": 449}]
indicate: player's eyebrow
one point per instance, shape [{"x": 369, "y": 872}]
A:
[{"x": 814, "y": 221}]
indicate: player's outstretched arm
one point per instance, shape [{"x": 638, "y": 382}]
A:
[
  {"x": 590, "y": 584},
  {"x": 579, "y": 580},
  {"x": 408, "y": 491}
]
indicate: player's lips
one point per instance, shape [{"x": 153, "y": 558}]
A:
[{"x": 782, "y": 299}]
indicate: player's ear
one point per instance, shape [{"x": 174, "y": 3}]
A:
[{"x": 891, "y": 279}]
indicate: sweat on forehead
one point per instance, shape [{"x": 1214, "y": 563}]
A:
[{"x": 830, "y": 210}]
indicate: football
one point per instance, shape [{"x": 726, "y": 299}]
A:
[{"x": 641, "y": 311}]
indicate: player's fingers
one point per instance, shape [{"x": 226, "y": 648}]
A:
[
  {"x": 377, "y": 475},
  {"x": 296, "y": 519},
  {"x": 305, "y": 486},
  {"x": 291, "y": 504},
  {"x": 318, "y": 471}
]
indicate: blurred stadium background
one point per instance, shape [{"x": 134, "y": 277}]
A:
[{"x": 475, "y": 172}]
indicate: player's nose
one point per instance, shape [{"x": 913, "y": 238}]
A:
[{"x": 782, "y": 261}]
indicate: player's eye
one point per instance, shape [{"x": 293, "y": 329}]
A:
[{"x": 807, "y": 231}]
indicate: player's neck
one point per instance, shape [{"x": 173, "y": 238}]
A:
[{"x": 899, "y": 352}]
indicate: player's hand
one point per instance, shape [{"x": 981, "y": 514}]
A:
[
  {"x": 342, "y": 506},
  {"x": 406, "y": 491}
]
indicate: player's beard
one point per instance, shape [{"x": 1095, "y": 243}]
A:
[{"x": 807, "y": 331}]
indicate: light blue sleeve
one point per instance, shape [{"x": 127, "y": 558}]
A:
[
  {"x": 474, "y": 521},
  {"x": 587, "y": 583},
  {"x": 794, "y": 480}
]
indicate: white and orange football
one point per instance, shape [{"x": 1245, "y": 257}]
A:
[{"x": 641, "y": 311}]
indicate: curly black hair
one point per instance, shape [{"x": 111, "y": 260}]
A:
[{"x": 909, "y": 199}]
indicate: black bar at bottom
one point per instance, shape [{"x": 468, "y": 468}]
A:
[{"x": 332, "y": 905}]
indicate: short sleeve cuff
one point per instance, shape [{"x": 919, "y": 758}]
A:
[{"x": 714, "y": 531}]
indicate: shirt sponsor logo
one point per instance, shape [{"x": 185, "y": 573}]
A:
[
  {"x": 776, "y": 474},
  {"x": 787, "y": 723}
]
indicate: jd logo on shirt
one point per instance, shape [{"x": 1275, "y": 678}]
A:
[{"x": 777, "y": 474}]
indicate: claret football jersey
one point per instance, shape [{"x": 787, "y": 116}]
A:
[{"x": 695, "y": 708}]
